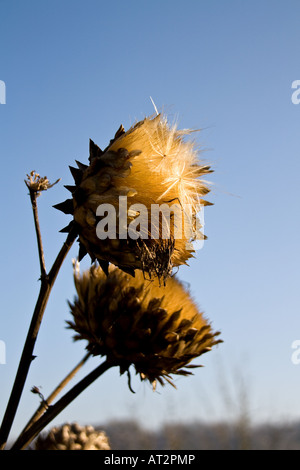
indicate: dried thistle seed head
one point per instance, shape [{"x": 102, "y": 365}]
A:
[
  {"x": 134, "y": 322},
  {"x": 37, "y": 183},
  {"x": 149, "y": 165},
  {"x": 72, "y": 437}
]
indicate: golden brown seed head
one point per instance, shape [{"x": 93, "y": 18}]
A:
[
  {"x": 72, "y": 437},
  {"x": 150, "y": 164},
  {"x": 133, "y": 321}
]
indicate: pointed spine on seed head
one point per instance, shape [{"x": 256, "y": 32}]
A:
[
  {"x": 95, "y": 151},
  {"x": 70, "y": 188},
  {"x": 81, "y": 166},
  {"x": 82, "y": 252},
  {"x": 120, "y": 132},
  {"x": 68, "y": 228},
  {"x": 66, "y": 207},
  {"x": 77, "y": 174},
  {"x": 104, "y": 265}
]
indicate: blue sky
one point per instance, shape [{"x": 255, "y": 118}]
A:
[{"x": 76, "y": 70}]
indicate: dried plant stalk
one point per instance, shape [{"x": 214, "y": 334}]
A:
[
  {"x": 45, "y": 403},
  {"x": 51, "y": 413},
  {"x": 35, "y": 185}
]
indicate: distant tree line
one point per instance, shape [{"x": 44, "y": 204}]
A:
[{"x": 130, "y": 435}]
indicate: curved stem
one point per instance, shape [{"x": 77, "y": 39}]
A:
[
  {"x": 46, "y": 403},
  {"x": 47, "y": 283},
  {"x": 23, "y": 441}
]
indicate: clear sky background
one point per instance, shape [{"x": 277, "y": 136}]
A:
[{"x": 76, "y": 70}]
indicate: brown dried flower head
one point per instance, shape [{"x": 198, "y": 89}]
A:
[
  {"x": 150, "y": 164},
  {"x": 133, "y": 321},
  {"x": 72, "y": 437},
  {"x": 37, "y": 183}
]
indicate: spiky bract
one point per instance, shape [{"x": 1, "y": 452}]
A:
[
  {"x": 132, "y": 321},
  {"x": 150, "y": 164}
]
